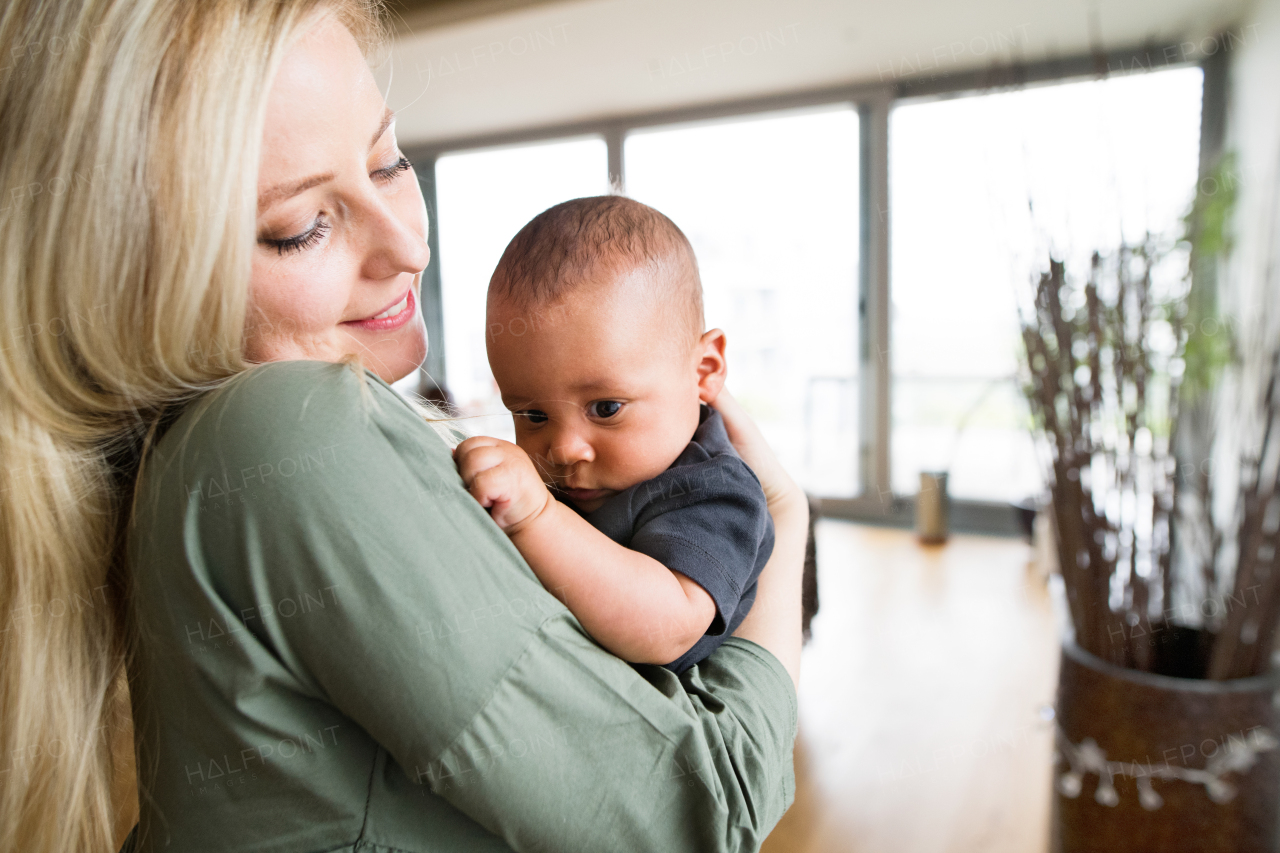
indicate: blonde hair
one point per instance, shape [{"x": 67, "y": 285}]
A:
[{"x": 129, "y": 143}]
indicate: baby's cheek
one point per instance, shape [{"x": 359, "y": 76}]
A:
[
  {"x": 536, "y": 453},
  {"x": 647, "y": 459}
]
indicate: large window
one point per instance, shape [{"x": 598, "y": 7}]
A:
[
  {"x": 770, "y": 205},
  {"x": 983, "y": 188},
  {"x": 484, "y": 198}
]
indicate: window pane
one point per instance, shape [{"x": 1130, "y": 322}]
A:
[
  {"x": 983, "y": 188},
  {"x": 771, "y": 207},
  {"x": 484, "y": 198}
]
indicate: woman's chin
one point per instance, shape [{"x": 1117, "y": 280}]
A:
[
  {"x": 392, "y": 355},
  {"x": 394, "y": 360}
]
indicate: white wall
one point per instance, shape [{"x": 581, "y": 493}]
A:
[{"x": 1252, "y": 286}]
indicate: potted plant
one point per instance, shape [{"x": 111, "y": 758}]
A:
[{"x": 1167, "y": 708}]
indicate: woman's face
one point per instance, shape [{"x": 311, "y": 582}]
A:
[{"x": 342, "y": 227}]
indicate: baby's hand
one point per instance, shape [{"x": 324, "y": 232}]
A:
[{"x": 502, "y": 478}]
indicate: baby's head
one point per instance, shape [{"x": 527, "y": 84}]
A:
[{"x": 595, "y": 338}]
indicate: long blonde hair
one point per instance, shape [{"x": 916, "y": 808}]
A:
[{"x": 129, "y": 137}]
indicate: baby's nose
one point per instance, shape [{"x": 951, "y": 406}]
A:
[{"x": 569, "y": 448}]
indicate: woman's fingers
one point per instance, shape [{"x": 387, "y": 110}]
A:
[
  {"x": 774, "y": 620},
  {"x": 755, "y": 451}
]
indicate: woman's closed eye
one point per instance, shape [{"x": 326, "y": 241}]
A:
[
  {"x": 390, "y": 173},
  {"x": 319, "y": 228},
  {"x": 298, "y": 242}
]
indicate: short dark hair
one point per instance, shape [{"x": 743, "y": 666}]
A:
[{"x": 597, "y": 240}]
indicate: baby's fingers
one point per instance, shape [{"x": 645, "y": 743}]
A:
[
  {"x": 490, "y": 486},
  {"x": 478, "y": 458},
  {"x": 473, "y": 443}
]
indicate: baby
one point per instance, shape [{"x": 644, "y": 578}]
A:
[{"x": 622, "y": 490}]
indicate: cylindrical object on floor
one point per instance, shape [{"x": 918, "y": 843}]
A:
[
  {"x": 1044, "y": 545},
  {"x": 1147, "y": 762},
  {"x": 932, "y": 507}
]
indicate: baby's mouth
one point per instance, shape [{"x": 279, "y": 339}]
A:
[
  {"x": 585, "y": 494},
  {"x": 579, "y": 494}
]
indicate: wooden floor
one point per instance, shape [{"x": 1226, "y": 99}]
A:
[{"x": 923, "y": 699}]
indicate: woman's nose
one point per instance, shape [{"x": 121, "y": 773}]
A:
[{"x": 395, "y": 245}]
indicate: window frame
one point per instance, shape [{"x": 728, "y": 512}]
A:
[{"x": 876, "y": 502}]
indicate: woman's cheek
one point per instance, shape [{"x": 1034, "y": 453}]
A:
[{"x": 292, "y": 307}]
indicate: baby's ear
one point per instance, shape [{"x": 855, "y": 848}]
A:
[{"x": 712, "y": 366}]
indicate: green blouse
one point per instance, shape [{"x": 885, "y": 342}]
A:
[{"x": 338, "y": 650}]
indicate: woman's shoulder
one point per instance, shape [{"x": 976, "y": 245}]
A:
[
  {"x": 299, "y": 396},
  {"x": 280, "y": 394},
  {"x": 294, "y": 413}
]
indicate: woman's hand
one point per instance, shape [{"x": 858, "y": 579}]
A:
[
  {"x": 778, "y": 485},
  {"x": 774, "y": 620}
]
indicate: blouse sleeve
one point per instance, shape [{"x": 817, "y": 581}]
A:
[{"x": 444, "y": 647}]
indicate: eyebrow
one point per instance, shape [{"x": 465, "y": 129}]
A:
[
  {"x": 280, "y": 192},
  {"x": 597, "y": 385}
]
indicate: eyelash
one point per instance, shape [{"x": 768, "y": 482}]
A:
[
  {"x": 319, "y": 229},
  {"x": 297, "y": 243},
  {"x": 395, "y": 169}
]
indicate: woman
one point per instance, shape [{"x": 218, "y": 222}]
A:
[{"x": 207, "y": 228}]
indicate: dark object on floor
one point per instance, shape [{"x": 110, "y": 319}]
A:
[
  {"x": 809, "y": 594},
  {"x": 1026, "y": 510}
]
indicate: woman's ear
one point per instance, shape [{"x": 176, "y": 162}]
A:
[{"x": 712, "y": 367}]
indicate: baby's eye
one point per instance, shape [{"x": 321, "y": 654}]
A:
[
  {"x": 605, "y": 409},
  {"x": 533, "y": 416}
]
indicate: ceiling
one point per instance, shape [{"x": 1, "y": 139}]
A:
[{"x": 462, "y": 68}]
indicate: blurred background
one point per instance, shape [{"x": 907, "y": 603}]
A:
[{"x": 872, "y": 190}]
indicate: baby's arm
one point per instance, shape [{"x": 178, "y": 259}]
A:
[{"x": 629, "y": 602}]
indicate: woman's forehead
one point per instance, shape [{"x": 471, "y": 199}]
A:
[{"x": 323, "y": 106}]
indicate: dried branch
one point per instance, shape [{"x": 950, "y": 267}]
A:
[
  {"x": 1241, "y": 648},
  {"x": 1090, "y": 392}
]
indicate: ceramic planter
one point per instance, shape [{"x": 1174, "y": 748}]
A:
[{"x": 1153, "y": 763}]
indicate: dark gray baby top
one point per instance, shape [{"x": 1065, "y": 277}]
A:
[{"x": 705, "y": 517}]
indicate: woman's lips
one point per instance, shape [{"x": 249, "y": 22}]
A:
[{"x": 407, "y": 306}]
